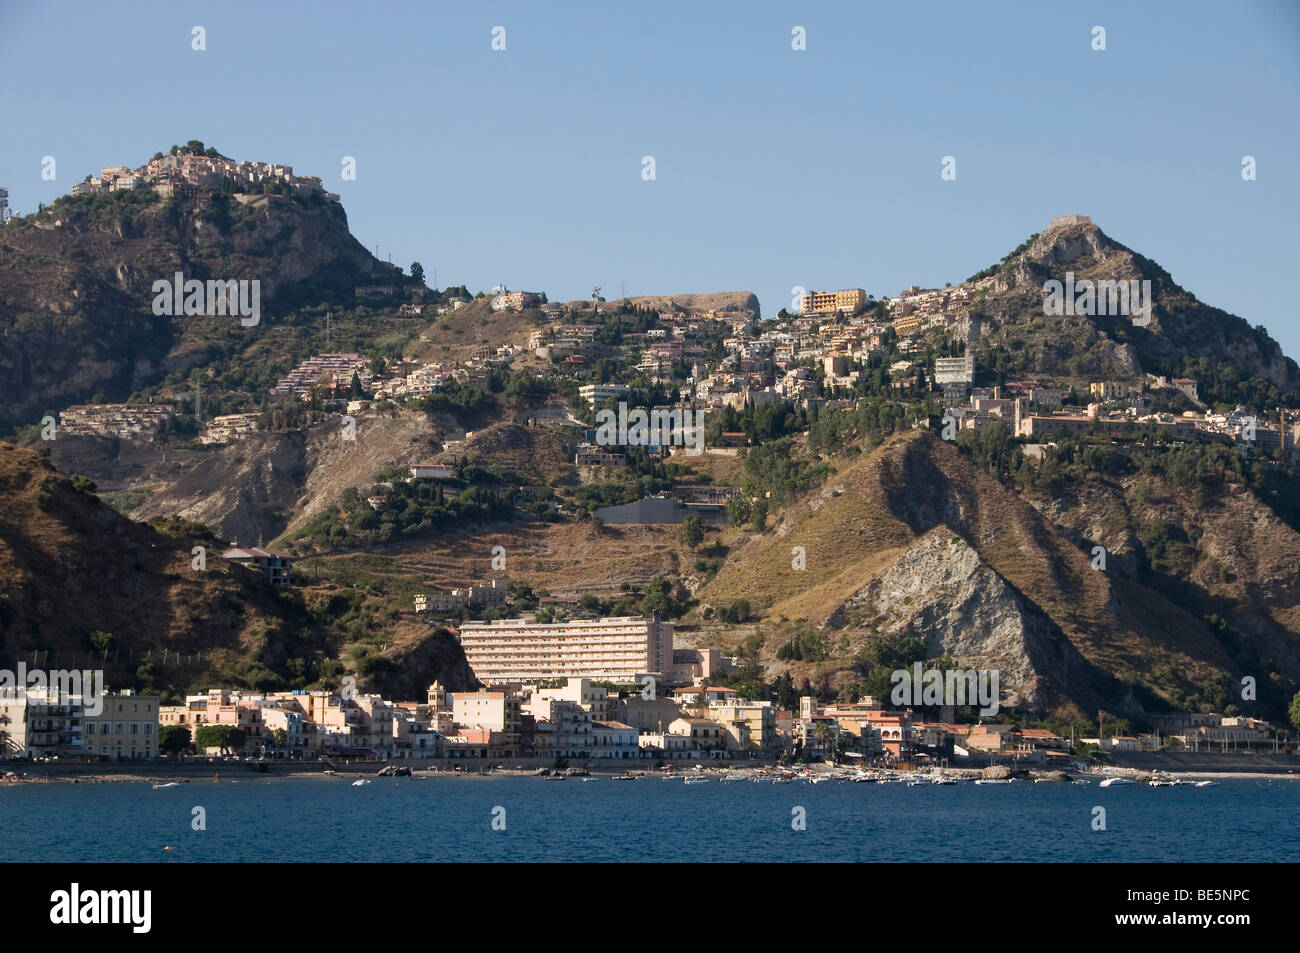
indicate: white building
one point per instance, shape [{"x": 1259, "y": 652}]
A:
[{"x": 523, "y": 650}]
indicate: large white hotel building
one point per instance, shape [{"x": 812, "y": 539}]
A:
[{"x": 522, "y": 650}]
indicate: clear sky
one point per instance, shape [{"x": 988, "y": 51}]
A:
[{"x": 774, "y": 168}]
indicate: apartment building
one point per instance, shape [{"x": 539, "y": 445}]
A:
[
  {"x": 494, "y": 711},
  {"x": 226, "y": 427},
  {"x": 126, "y": 728},
  {"x": 827, "y": 302},
  {"x": 1108, "y": 390},
  {"x": 954, "y": 370},
  {"x": 337, "y": 368},
  {"x": 524, "y": 650},
  {"x": 597, "y": 394}
]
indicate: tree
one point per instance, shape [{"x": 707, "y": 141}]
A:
[
  {"x": 692, "y": 535},
  {"x": 823, "y": 733},
  {"x": 1294, "y": 713},
  {"x": 173, "y": 739},
  {"x": 417, "y": 273},
  {"x": 356, "y": 391},
  {"x": 758, "y": 514},
  {"x": 225, "y": 737},
  {"x": 658, "y": 597},
  {"x": 102, "y": 642}
]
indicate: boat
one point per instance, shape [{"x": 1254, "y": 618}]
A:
[
  {"x": 993, "y": 780},
  {"x": 359, "y": 781},
  {"x": 623, "y": 777},
  {"x": 1112, "y": 781},
  {"x": 588, "y": 779},
  {"x": 695, "y": 780},
  {"x": 554, "y": 777},
  {"x": 1207, "y": 784},
  {"x": 168, "y": 784}
]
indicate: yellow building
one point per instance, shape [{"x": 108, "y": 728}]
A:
[
  {"x": 825, "y": 302},
  {"x": 126, "y": 727}
]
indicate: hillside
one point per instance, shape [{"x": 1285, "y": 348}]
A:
[
  {"x": 76, "y": 286},
  {"x": 71, "y": 567},
  {"x": 1009, "y": 331},
  {"x": 739, "y": 303},
  {"x": 267, "y": 484},
  {"x": 914, "y": 540}
]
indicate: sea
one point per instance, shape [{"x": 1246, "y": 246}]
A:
[{"x": 530, "y": 820}]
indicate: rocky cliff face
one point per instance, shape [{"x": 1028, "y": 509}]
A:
[
  {"x": 942, "y": 592},
  {"x": 76, "y": 298},
  {"x": 1082, "y": 346},
  {"x": 256, "y": 489}
]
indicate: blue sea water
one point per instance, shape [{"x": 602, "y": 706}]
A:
[{"x": 450, "y": 819}]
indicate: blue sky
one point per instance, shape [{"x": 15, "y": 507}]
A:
[{"x": 774, "y": 168}]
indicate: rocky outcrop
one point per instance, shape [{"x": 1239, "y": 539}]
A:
[{"x": 943, "y": 592}]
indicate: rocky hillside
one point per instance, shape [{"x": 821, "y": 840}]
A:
[
  {"x": 76, "y": 286},
  {"x": 914, "y": 540},
  {"x": 1009, "y": 330},
  {"x": 258, "y": 488},
  {"x": 726, "y": 302},
  {"x": 82, "y": 586}
]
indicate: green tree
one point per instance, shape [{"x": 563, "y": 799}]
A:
[
  {"x": 102, "y": 642},
  {"x": 173, "y": 739},
  {"x": 692, "y": 534},
  {"x": 417, "y": 273},
  {"x": 823, "y": 732},
  {"x": 658, "y": 597},
  {"x": 1294, "y": 713},
  {"x": 225, "y": 737}
]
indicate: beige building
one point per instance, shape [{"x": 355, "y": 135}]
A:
[
  {"x": 823, "y": 302},
  {"x": 494, "y": 711},
  {"x": 126, "y": 727},
  {"x": 523, "y": 650}
]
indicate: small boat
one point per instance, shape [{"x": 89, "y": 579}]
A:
[
  {"x": 993, "y": 780},
  {"x": 1207, "y": 784},
  {"x": 1080, "y": 781},
  {"x": 169, "y": 784},
  {"x": 359, "y": 781},
  {"x": 944, "y": 781},
  {"x": 623, "y": 777},
  {"x": 588, "y": 779},
  {"x": 554, "y": 777},
  {"x": 695, "y": 780},
  {"x": 1113, "y": 781}
]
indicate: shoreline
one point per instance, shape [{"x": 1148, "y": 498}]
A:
[{"x": 236, "y": 772}]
